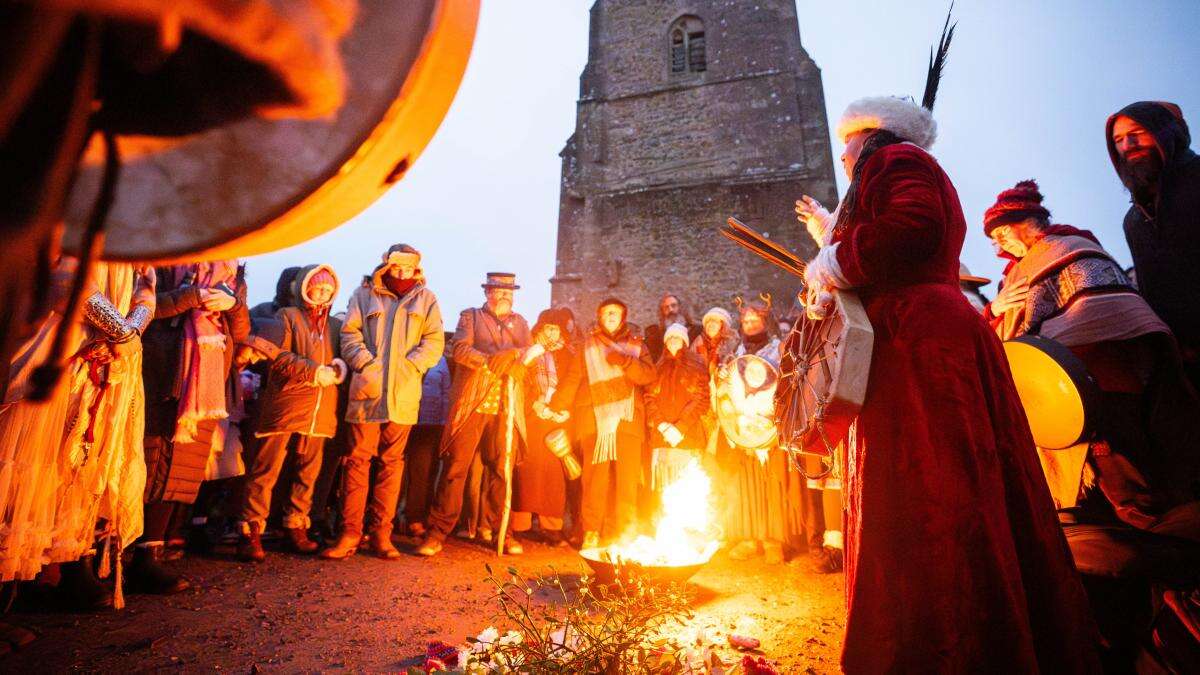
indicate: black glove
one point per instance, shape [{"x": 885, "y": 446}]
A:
[{"x": 618, "y": 358}]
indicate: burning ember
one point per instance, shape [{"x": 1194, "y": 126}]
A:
[{"x": 685, "y": 535}]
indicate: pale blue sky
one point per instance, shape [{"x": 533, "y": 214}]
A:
[{"x": 1025, "y": 95}]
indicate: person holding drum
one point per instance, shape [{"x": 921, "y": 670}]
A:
[
  {"x": 758, "y": 482},
  {"x": 1125, "y": 490},
  {"x": 955, "y": 561}
]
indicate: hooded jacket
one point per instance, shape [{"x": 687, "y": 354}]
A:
[
  {"x": 1164, "y": 236},
  {"x": 291, "y": 401},
  {"x": 389, "y": 342}
]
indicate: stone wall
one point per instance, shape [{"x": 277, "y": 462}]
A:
[{"x": 659, "y": 160}]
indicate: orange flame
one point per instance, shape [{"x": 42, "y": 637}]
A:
[{"x": 685, "y": 534}]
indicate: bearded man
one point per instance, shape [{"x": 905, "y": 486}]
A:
[
  {"x": 489, "y": 344},
  {"x": 955, "y": 561},
  {"x": 670, "y": 312},
  {"x": 1148, "y": 143}
]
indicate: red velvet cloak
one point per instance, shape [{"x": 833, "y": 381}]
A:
[{"x": 955, "y": 560}]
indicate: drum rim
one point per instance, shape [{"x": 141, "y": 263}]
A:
[
  {"x": 1076, "y": 370},
  {"x": 424, "y": 95}
]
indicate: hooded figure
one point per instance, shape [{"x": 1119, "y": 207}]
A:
[
  {"x": 1162, "y": 173},
  {"x": 298, "y": 410},
  {"x": 955, "y": 559},
  {"x": 603, "y": 390}
]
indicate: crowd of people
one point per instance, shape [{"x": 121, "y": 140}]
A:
[{"x": 186, "y": 418}]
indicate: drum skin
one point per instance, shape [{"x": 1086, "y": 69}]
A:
[
  {"x": 259, "y": 185},
  {"x": 1055, "y": 388},
  {"x": 745, "y": 401}
]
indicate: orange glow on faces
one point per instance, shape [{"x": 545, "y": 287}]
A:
[{"x": 1132, "y": 140}]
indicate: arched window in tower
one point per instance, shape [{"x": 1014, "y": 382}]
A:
[{"x": 688, "y": 46}]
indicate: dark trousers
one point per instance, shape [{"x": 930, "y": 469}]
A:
[
  {"x": 421, "y": 459},
  {"x": 264, "y": 472},
  {"x": 610, "y": 489},
  {"x": 485, "y": 435},
  {"x": 368, "y": 441},
  {"x": 1121, "y": 565},
  {"x": 1168, "y": 552}
]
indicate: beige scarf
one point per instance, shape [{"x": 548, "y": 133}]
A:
[{"x": 612, "y": 394}]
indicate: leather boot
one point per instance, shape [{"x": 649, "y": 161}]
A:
[
  {"x": 79, "y": 589},
  {"x": 431, "y": 546},
  {"x": 345, "y": 547},
  {"x": 299, "y": 542},
  {"x": 147, "y": 575},
  {"x": 249, "y": 547},
  {"x": 381, "y": 545}
]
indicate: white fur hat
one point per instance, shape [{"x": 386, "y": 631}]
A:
[
  {"x": 676, "y": 330},
  {"x": 901, "y": 116}
]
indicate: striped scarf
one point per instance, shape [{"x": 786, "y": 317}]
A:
[{"x": 612, "y": 394}]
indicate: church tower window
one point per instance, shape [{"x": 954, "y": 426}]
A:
[{"x": 688, "y": 46}]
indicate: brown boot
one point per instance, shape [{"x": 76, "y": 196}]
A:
[
  {"x": 381, "y": 545},
  {"x": 345, "y": 547},
  {"x": 298, "y": 539},
  {"x": 249, "y": 547}
]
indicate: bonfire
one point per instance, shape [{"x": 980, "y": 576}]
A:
[{"x": 686, "y": 535}]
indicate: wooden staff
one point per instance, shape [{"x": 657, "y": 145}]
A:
[{"x": 509, "y": 414}]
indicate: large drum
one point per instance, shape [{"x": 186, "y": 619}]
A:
[
  {"x": 1059, "y": 395},
  {"x": 745, "y": 402},
  {"x": 825, "y": 367},
  {"x": 258, "y": 184}
]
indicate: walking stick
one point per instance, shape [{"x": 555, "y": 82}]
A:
[{"x": 508, "y": 460}]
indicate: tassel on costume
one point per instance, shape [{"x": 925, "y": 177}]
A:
[{"x": 105, "y": 560}]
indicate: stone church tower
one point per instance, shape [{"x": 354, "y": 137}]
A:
[{"x": 689, "y": 111}]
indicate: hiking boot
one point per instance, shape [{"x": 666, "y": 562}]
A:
[
  {"x": 146, "y": 573},
  {"x": 512, "y": 546},
  {"x": 381, "y": 545},
  {"x": 431, "y": 546},
  {"x": 345, "y": 547},
  {"x": 249, "y": 548},
  {"x": 298, "y": 541},
  {"x": 79, "y": 589},
  {"x": 829, "y": 560}
]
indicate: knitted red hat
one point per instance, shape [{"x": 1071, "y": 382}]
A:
[{"x": 1022, "y": 201}]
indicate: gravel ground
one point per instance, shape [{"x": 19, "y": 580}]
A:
[{"x": 295, "y": 614}]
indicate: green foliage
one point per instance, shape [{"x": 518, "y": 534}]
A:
[{"x": 582, "y": 628}]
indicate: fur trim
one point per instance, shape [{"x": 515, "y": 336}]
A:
[
  {"x": 824, "y": 271},
  {"x": 900, "y": 116}
]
